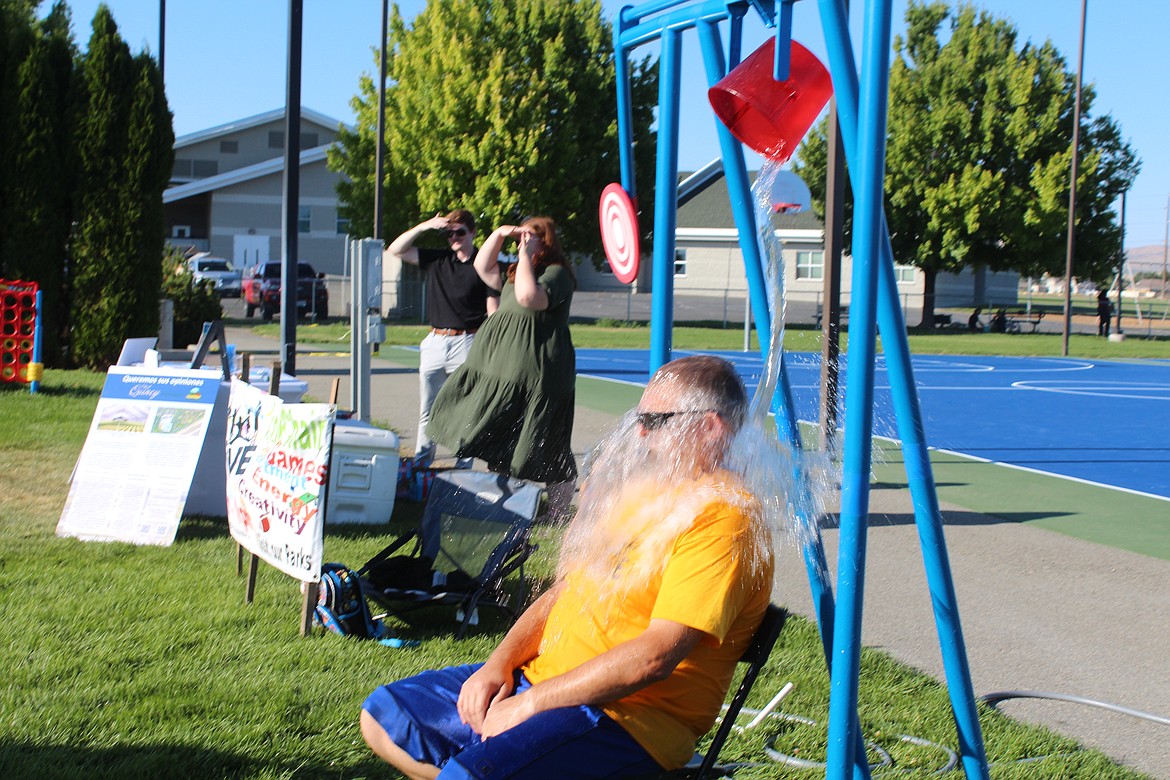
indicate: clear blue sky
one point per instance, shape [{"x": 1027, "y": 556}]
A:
[{"x": 225, "y": 60}]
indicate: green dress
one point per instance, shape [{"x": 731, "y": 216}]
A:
[{"x": 511, "y": 403}]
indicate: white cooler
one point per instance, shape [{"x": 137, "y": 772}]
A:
[{"x": 363, "y": 474}]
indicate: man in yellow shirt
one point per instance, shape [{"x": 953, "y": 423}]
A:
[{"x": 615, "y": 671}]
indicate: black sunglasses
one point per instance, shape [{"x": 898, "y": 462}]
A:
[
  {"x": 456, "y": 232},
  {"x": 652, "y": 421}
]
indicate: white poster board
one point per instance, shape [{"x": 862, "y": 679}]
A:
[
  {"x": 277, "y": 470},
  {"x": 135, "y": 470}
]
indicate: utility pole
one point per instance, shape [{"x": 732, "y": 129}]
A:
[{"x": 1072, "y": 189}]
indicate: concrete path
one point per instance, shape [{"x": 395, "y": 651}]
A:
[{"x": 1040, "y": 610}]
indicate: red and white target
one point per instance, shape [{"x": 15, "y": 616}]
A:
[{"x": 619, "y": 232}]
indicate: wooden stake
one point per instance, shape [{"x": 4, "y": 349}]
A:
[
  {"x": 309, "y": 606},
  {"x": 245, "y": 374}
]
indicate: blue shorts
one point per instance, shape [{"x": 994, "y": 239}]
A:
[{"x": 419, "y": 715}]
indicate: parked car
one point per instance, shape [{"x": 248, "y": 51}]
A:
[
  {"x": 205, "y": 268},
  {"x": 262, "y": 291}
]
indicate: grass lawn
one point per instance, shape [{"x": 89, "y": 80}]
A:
[
  {"x": 127, "y": 662},
  {"x": 796, "y": 339}
]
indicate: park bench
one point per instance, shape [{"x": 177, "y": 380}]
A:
[{"x": 1017, "y": 319}]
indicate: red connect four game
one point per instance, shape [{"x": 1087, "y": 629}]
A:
[{"x": 18, "y": 329}]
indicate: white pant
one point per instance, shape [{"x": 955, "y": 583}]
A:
[{"x": 439, "y": 356}]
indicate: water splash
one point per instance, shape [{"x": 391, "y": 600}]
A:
[
  {"x": 791, "y": 482},
  {"x": 781, "y": 484}
]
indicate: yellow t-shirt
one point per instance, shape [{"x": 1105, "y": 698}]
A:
[{"x": 695, "y": 556}]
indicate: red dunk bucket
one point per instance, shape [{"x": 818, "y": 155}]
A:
[{"x": 769, "y": 116}]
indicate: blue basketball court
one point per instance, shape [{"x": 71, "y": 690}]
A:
[{"x": 1104, "y": 422}]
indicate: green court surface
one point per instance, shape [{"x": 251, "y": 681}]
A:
[{"x": 1103, "y": 515}]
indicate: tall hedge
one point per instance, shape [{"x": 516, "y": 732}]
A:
[
  {"x": 124, "y": 141},
  {"x": 38, "y": 210}
]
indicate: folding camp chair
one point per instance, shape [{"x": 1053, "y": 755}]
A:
[
  {"x": 756, "y": 655},
  {"x": 474, "y": 534}
]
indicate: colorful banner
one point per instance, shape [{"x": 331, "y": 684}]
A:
[
  {"x": 277, "y": 470},
  {"x": 135, "y": 470}
]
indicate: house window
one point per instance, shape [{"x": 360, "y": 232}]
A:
[
  {"x": 180, "y": 231},
  {"x": 308, "y": 140},
  {"x": 303, "y": 219},
  {"x": 680, "y": 263},
  {"x": 342, "y": 226},
  {"x": 204, "y": 168},
  {"x": 229, "y": 147},
  {"x": 181, "y": 169},
  {"x": 810, "y": 265},
  {"x": 904, "y": 274}
]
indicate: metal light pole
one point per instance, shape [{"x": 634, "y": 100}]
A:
[
  {"x": 1121, "y": 264},
  {"x": 380, "y": 154},
  {"x": 292, "y": 192},
  {"x": 1072, "y": 190},
  {"x": 1165, "y": 246},
  {"x": 162, "y": 39}
]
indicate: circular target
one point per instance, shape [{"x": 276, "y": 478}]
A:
[{"x": 619, "y": 232}]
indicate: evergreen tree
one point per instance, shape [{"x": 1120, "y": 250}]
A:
[
  {"x": 104, "y": 274},
  {"x": 146, "y": 172},
  {"x": 504, "y": 107},
  {"x": 978, "y": 154},
  {"x": 16, "y": 36},
  {"x": 41, "y": 173}
]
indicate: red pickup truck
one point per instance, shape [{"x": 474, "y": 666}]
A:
[{"x": 261, "y": 289}]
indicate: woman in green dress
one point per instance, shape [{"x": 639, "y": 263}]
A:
[{"x": 511, "y": 403}]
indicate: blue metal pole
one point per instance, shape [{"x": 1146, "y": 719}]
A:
[
  {"x": 909, "y": 417},
  {"x": 867, "y": 223},
  {"x": 38, "y": 338},
  {"x": 625, "y": 122},
  {"x": 739, "y": 189},
  {"x": 665, "y": 200},
  {"x": 739, "y": 192},
  {"x": 684, "y": 19}
]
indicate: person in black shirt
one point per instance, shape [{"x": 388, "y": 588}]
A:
[
  {"x": 458, "y": 302},
  {"x": 1104, "y": 313}
]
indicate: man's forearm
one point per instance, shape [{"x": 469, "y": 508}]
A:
[
  {"x": 405, "y": 242},
  {"x": 621, "y": 671},
  {"x": 522, "y": 642}
]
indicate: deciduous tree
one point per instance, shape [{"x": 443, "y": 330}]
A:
[
  {"x": 979, "y": 154},
  {"x": 506, "y": 108}
]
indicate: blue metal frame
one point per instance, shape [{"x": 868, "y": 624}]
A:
[
  {"x": 874, "y": 304},
  {"x": 908, "y": 413}
]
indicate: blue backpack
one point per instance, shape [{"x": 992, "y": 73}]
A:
[{"x": 341, "y": 606}]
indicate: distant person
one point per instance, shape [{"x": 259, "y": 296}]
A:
[
  {"x": 457, "y": 303},
  {"x": 512, "y": 403},
  {"x": 616, "y": 670},
  {"x": 999, "y": 321},
  {"x": 1104, "y": 313},
  {"x": 974, "y": 323}
]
